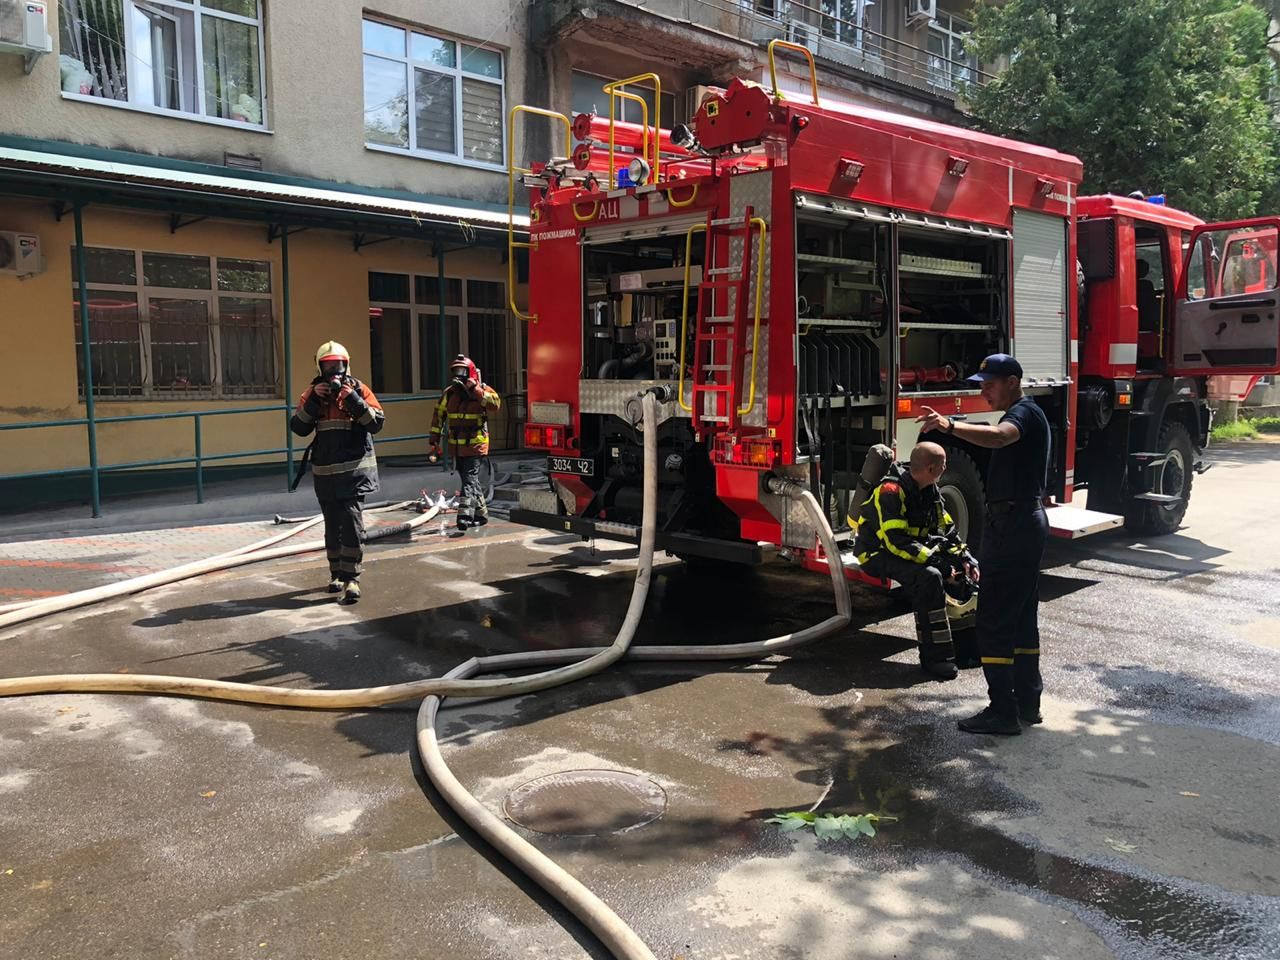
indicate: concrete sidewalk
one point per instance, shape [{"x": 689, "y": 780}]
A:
[
  {"x": 230, "y": 501},
  {"x": 47, "y": 553}
]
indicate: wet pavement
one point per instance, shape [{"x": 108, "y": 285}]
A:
[{"x": 1139, "y": 821}]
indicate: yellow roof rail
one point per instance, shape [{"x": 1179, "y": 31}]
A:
[
  {"x": 773, "y": 67},
  {"x": 512, "y": 170}
]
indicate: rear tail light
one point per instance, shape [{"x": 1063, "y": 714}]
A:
[
  {"x": 539, "y": 436},
  {"x": 748, "y": 452}
]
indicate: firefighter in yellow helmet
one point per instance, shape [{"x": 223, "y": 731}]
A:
[
  {"x": 344, "y": 415},
  {"x": 465, "y": 406}
]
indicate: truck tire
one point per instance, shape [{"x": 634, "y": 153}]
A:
[
  {"x": 962, "y": 491},
  {"x": 1145, "y": 517}
]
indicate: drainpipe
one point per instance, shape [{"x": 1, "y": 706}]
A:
[
  {"x": 82, "y": 292},
  {"x": 288, "y": 355}
]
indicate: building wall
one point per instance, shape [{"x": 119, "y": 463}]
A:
[
  {"x": 314, "y": 84},
  {"x": 329, "y": 300}
]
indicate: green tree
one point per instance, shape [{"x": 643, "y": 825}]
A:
[{"x": 1169, "y": 96}]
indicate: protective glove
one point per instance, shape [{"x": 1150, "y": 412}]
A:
[
  {"x": 349, "y": 399},
  {"x": 315, "y": 402}
]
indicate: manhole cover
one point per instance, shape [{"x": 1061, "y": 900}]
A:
[{"x": 585, "y": 803}]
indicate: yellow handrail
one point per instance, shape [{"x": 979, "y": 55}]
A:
[
  {"x": 773, "y": 67},
  {"x": 512, "y": 170},
  {"x": 693, "y": 195},
  {"x": 644, "y": 122},
  {"x": 684, "y": 312},
  {"x": 613, "y": 91},
  {"x": 755, "y": 331}
]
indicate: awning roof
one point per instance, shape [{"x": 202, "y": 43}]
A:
[{"x": 192, "y": 192}]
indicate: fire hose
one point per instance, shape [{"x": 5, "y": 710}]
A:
[{"x": 567, "y": 665}]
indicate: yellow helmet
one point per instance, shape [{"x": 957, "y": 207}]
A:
[{"x": 332, "y": 350}]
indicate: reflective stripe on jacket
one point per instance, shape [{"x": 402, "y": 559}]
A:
[
  {"x": 900, "y": 518},
  {"x": 343, "y": 464},
  {"x": 468, "y": 419}
]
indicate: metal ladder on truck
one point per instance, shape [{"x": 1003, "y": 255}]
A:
[{"x": 720, "y": 344}]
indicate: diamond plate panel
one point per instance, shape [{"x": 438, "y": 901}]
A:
[
  {"x": 797, "y": 529},
  {"x": 611, "y": 396},
  {"x": 539, "y": 501},
  {"x": 754, "y": 190}
]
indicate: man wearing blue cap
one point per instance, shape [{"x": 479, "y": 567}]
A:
[{"x": 1012, "y": 545}]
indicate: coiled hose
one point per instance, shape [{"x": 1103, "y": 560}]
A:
[{"x": 578, "y": 663}]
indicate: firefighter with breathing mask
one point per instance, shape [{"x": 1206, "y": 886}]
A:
[
  {"x": 344, "y": 415},
  {"x": 464, "y": 406}
]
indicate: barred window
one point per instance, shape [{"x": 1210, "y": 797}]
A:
[{"x": 174, "y": 326}]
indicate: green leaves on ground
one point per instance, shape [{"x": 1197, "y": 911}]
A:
[{"x": 829, "y": 826}]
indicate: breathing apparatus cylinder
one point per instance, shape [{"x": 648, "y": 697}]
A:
[{"x": 874, "y": 468}]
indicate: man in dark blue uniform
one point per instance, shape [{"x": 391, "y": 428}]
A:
[{"x": 1012, "y": 546}]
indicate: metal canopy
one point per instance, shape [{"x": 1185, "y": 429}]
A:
[{"x": 62, "y": 178}]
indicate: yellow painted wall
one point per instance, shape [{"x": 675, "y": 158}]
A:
[{"x": 329, "y": 298}]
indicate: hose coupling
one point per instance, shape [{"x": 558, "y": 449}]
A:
[{"x": 783, "y": 486}]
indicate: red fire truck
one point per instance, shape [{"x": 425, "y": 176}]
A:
[{"x": 805, "y": 278}]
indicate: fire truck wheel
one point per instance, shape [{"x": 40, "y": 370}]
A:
[
  {"x": 961, "y": 489},
  {"x": 1142, "y": 516}
]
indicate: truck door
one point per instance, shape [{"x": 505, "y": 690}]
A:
[{"x": 1228, "y": 312}]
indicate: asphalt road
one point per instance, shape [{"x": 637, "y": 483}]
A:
[{"x": 1139, "y": 821}]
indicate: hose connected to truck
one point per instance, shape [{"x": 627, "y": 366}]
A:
[{"x": 565, "y": 666}]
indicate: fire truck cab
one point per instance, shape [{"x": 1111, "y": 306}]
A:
[{"x": 803, "y": 279}]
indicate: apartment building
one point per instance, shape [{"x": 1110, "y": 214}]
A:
[
  {"x": 242, "y": 180},
  {"x": 908, "y": 56}
]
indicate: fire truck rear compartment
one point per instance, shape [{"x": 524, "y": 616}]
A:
[
  {"x": 952, "y": 309},
  {"x": 633, "y": 303}
]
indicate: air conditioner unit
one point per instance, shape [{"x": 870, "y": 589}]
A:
[
  {"x": 692, "y": 100},
  {"x": 24, "y": 29},
  {"x": 921, "y": 12},
  {"x": 20, "y": 254},
  {"x": 805, "y": 34}
]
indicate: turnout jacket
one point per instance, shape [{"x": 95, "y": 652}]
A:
[
  {"x": 467, "y": 415},
  {"x": 906, "y": 522},
  {"x": 343, "y": 463}
]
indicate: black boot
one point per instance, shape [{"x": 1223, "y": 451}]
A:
[
  {"x": 934, "y": 638},
  {"x": 939, "y": 669},
  {"x": 991, "y": 720}
]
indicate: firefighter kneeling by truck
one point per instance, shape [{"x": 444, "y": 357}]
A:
[{"x": 905, "y": 534}]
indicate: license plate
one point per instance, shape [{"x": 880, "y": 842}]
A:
[{"x": 581, "y": 466}]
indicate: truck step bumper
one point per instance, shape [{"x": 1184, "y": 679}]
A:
[{"x": 1072, "y": 523}]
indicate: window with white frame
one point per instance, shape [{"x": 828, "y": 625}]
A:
[
  {"x": 588, "y": 96},
  {"x": 950, "y": 64},
  {"x": 200, "y": 57},
  {"x": 174, "y": 326},
  {"x": 431, "y": 95},
  {"x": 773, "y": 9},
  {"x": 855, "y": 23},
  {"x": 410, "y": 351}
]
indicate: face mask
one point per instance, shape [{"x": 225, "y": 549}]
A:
[{"x": 332, "y": 368}]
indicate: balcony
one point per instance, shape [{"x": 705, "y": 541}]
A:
[{"x": 729, "y": 34}]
